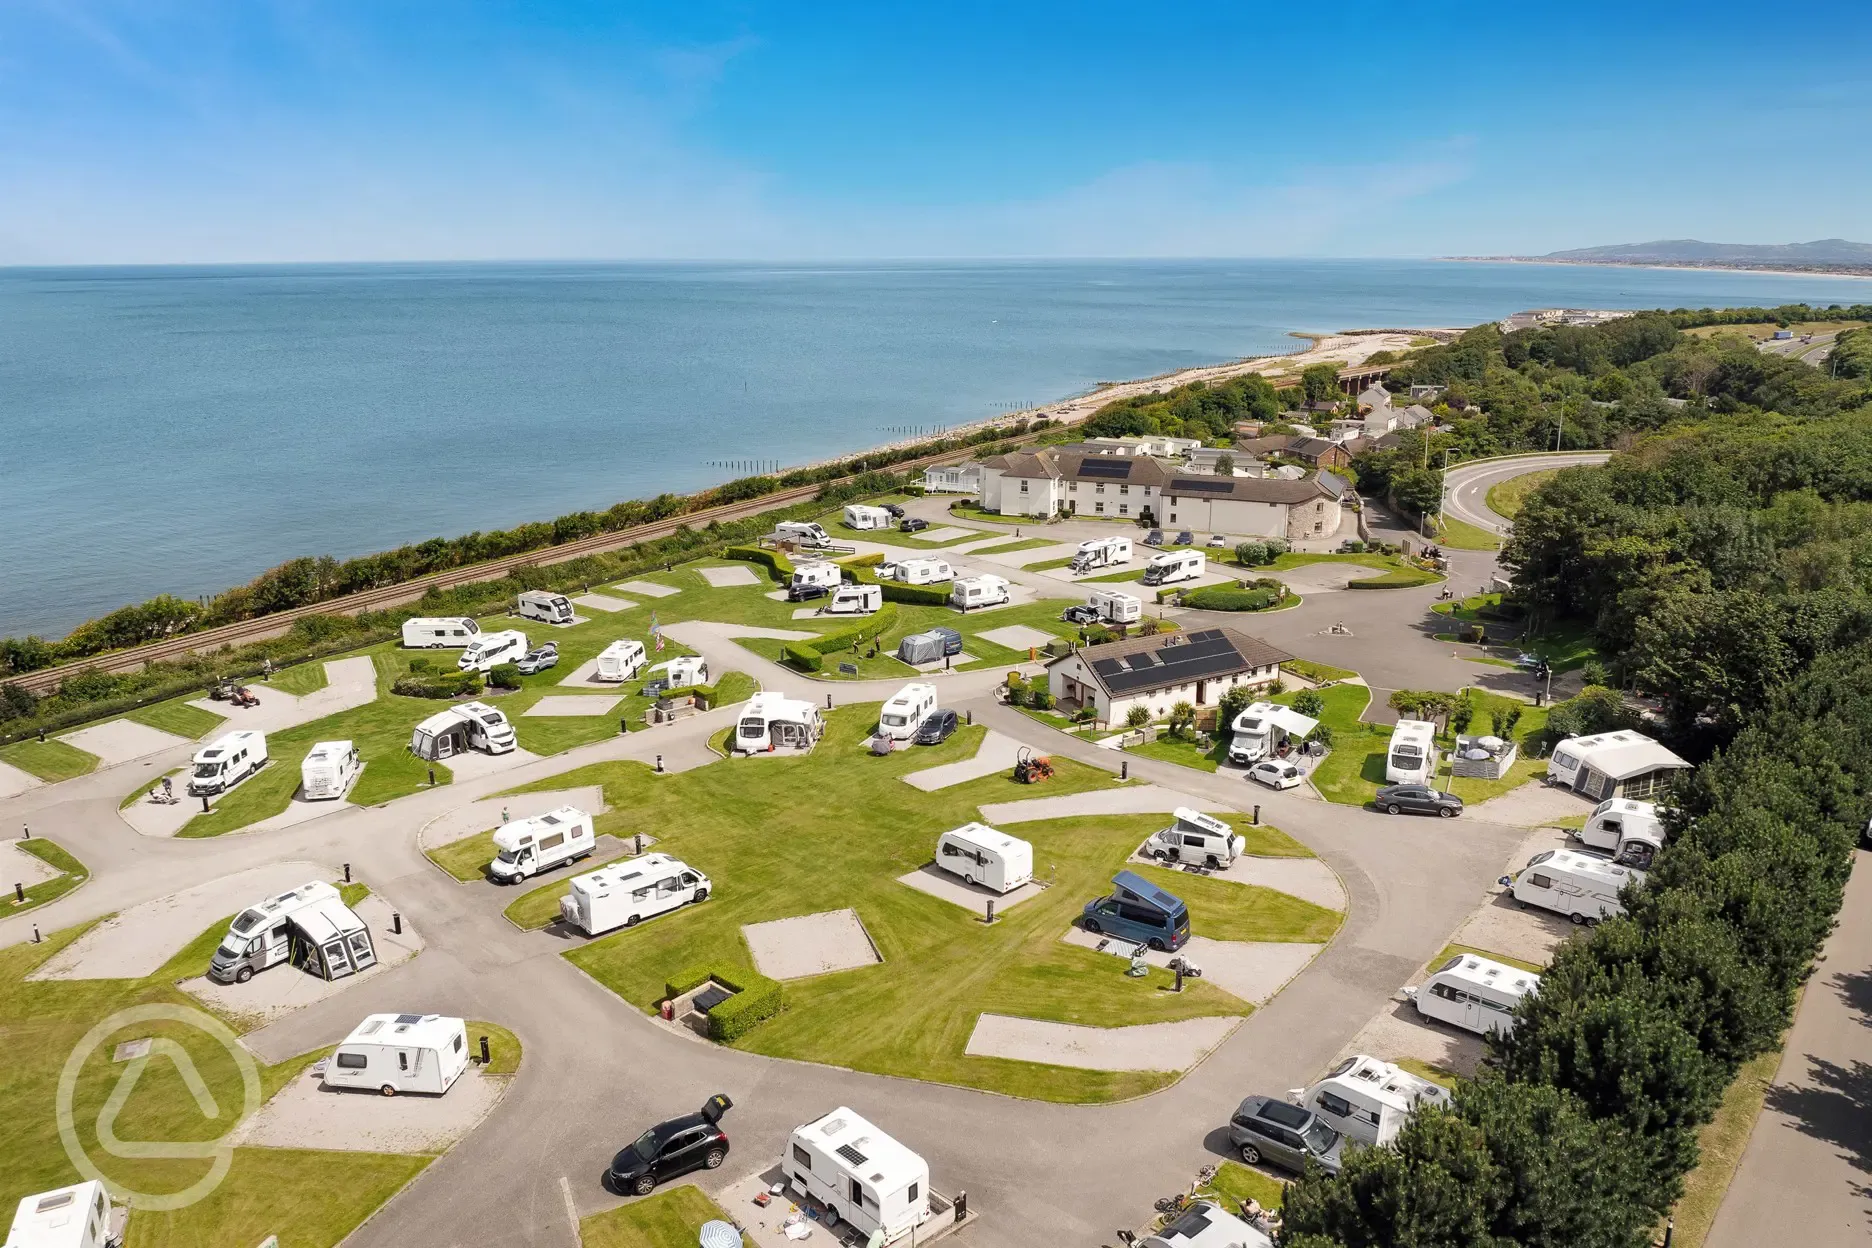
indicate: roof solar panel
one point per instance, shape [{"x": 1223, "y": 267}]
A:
[
  {"x": 1114, "y": 468},
  {"x": 1107, "y": 667},
  {"x": 1221, "y": 485}
]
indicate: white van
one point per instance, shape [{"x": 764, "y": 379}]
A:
[
  {"x": 1101, "y": 552},
  {"x": 67, "y": 1217},
  {"x": 1583, "y": 887},
  {"x": 490, "y": 650},
  {"x": 860, "y": 1175},
  {"x": 1368, "y": 1100},
  {"x": 773, "y": 721},
  {"x": 1196, "y": 838},
  {"x": 813, "y": 579},
  {"x": 1261, "y": 728},
  {"x": 392, "y": 1053},
  {"x": 681, "y": 672},
  {"x": 978, "y": 591},
  {"x": 1630, "y": 833},
  {"x": 328, "y": 770},
  {"x": 855, "y": 600},
  {"x": 1116, "y": 607},
  {"x": 1411, "y": 758},
  {"x": 620, "y": 660},
  {"x": 920, "y": 571},
  {"x": 1474, "y": 993},
  {"x": 261, "y": 936},
  {"x": 860, "y": 516},
  {"x": 1171, "y": 566},
  {"x": 225, "y": 762},
  {"x": 439, "y": 632},
  {"x": 626, "y": 893},
  {"x": 545, "y": 606},
  {"x": 801, "y": 533},
  {"x": 529, "y": 846},
  {"x": 981, "y": 855},
  {"x": 906, "y": 711}
]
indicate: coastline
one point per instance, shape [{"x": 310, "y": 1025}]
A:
[{"x": 1846, "y": 274}]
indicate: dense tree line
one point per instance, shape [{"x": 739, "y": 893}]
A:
[{"x": 1198, "y": 410}]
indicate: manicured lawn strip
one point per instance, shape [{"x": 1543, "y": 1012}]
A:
[
  {"x": 671, "y": 1218},
  {"x": 1300, "y": 559},
  {"x": 503, "y": 1046},
  {"x": 353, "y": 892},
  {"x": 315, "y": 1198},
  {"x": 1462, "y": 535},
  {"x": 51, "y": 760},
  {"x": 1505, "y": 498},
  {"x": 1450, "y": 951},
  {"x": 895, "y": 536},
  {"x": 1048, "y": 565},
  {"x": 1238, "y": 1183},
  {"x": 1355, "y": 767},
  {"x": 1719, "y": 1148},
  {"x": 1226, "y": 910},
  {"x": 1472, "y": 790},
  {"x": 300, "y": 679},
  {"x": 466, "y": 859},
  {"x": 1319, "y": 673},
  {"x": 39, "y": 894},
  {"x": 1182, "y": 752},
  {"x": 1427, "y": 1070},
  {"x": 975, "y": 514},
  {"x": 1043, "y": 615},
  {"x": 1403, "y": 578},
  {"x": 1264, "y": 840},
  {"x": 539, "y": 906},
  {"x": 179, "y": 717},
  {"x": 1008, "y": 548}
]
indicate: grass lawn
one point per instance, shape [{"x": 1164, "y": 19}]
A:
[
  {"x": 671, "y": 1218},
  {"x": 1462, "y": 535},
  {"x": 1403, "y": 578},
  {"x": 1719, "y": 1146},
  {"x": 177, "y": 716},
  {"x": 46, "y": 890},
  {"x": 466, "y": 859},
  {"x": 503, "y": 1046},
  {"x": 976, "y": 514},
  {"x": 841, "y": 531},
  {"x": 1008, "y": 548},
  {"x": 1237, "y": 1183},
  {"x": 1226, "y": 910},
  {"x": 51, "y": 760},
  {"x": 1182, "y": 752},
  {"x": 1504, "y": 498},
  {"x": 1319, "y": 673},
  {"x": 1048, "y": 565},
  {"x": 1355, "y": 767},
  {"x": 1450, "y": 951},
  {"x": 912, "y": 618},
  {"x": 1427, "y": 1070},
  {"x": 1472, "y": 790},
  {"x": 300, "y": 679}
]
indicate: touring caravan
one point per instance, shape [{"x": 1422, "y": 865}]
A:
[
  {"x": 296, "y": 926},
  {"x": 860, "y": 516},
  {"x": 472, "y": 725},
  {"x": 1172, "y": 566},
  {"x": 392, "y": 1053},
  {"x": 328, "y": 770},
  {"x": 813, "y": 579},
  {"x": 801, "y": 533},
  {"x": 855, "y": 600},
  {"x": 78, "y": 1216},
  {"x": 1628, "y": 832},
  {"x": 626, "y": 893},
  {"x": 1102, "y": 552},
  {"x": 1196, "y": 838},
  {"x": 1583, "y": 887},
  {"x": 860, "y": 1175},
  {"x": 1411, "y": 758},
  {"x": 545, "y": 606},
  {"x": 773, "y": 721},
  {"x": 906, "y": 711},
  {"x": 921, "y": 571},
  {"x": 981, "y": 855},
  {"x": 438, "y": 633},
  {"x": 529, "y": 846},
  {"x": 225, "y": 762},
  {"x": 978, "y": 591},
  {"x": 1368, "y": 1100},
  {"x": 1261, "y": 729},
  {"x": 1115, "y": 607},
  {"x": 620, "y": 660},
  {"x": 682, "y": 672},
  {"x": 490, "y": 650},
  {"x": 1474, "y": 993}
]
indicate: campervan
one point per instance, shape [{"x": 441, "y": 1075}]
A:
[
  {"x": 392, "y": 1053},
  {"x": 860, "y": 1175},
  {"x": 490, "y": 650},
  {"x": 1138, "y": 911},
  {"x": 813, "y": 579},
  {"x": 920, "y": 571},
  {"x": 438, "y": 633},
  {"x": 682, "y": 672},
  {"x": 906, "y": 711},
  {"x": 1175, "y": 565},
  {"x": 773, "y": 721},
  {"x": 1628, "y": 832},
  {"x": 1368, "y": 1100},
  {"x": 529, "y": 846},
  {"x": 309, "y": 919},
  {"x": 328, "y": 770},
  {"x": 626, "y": 893},
  {"x": 978, "y": 591},
  {"x": 620, "y": 660},
  {"x": 1262, "y": 728},
  {"x": 1115, "y": 607},
  {"x": 1101, "y": 552},
  {"x": 1583, "y": 887},
  {"x": 545, "y": 606},
  {"x": 67, "y": 1217},
  {"x": 860, "y": 516},
  {"x": 225, "y": 762},
  {"x": 1474, "y": 993},
  {"x": 1196, "y": 838},
  {"x": 1411, "y": 758},
  {"x": 855, "y": 600},
  {"x": 801, "y": 533},
  {"x": 470, "y": 726},
  {"x": 981, "y": 855}
]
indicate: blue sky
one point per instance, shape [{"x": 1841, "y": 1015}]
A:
[{"x": 246, "y": 130}]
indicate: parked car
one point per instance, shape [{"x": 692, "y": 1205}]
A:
[
  {"x": 897, "y": 512},
  {"x": 1154, "y": 538},
  {"x": 1216, "y": 539},
  {"x": 1418, "y": 799},
  {"x": 692, "y": 1142},
  {"x": 938, "y": 728},
  {"x": 806, "y": 593},
  {"x": 539, "y": 659},
  {"x": 1266, "y": 1129},
  {"x": 1186, "y": 538},
  {"x": 1080, "y": 613},
  {"x": 1276, "y": 774},
  {"x": 913, "y": 524}
]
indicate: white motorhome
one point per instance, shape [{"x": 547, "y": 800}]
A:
[
  {"x": 225, "y": 762},
  {"x": 861, "y": 1176},
  {"x": 1101, "y": 552},
  {"x": 1630, "y": 833},
  {"x": 545, "y": 606},
  {"x": 490, "y": 650},
  {"x": 681, "y": 672},
  {"x": 620, "y": 660},
  {"x": 529, "y": 846},
  {"x": 801, "y": 533},
  {"x": 1261, "y": 728},
  {"x": 906, "y": 711},
  {"x": 920, "y": 571},
  {"x": 439, "y": 632},
  {"x": 328, "y": 770},
  {"x": 1474, "y": 993},
  {"x": 981, "y": 855},
  {"x": 626, "y": 893},
  {"x": 855, "y": 600},
  {"x": 978, "y": 591},
  {"x": 1196, "y": 838},
  {"x": 773, "y": 721},
  {"x": 1116, "y": 607},
  {"x": 304, "y": 921},
  {"x": 78, "y": 1216},
  {"x": 1583, "y": 887},
  {"x": 470, "y": 726},
  {"x": 1411, "y": 757},
  {"x": 1368, "y": 1100},
  {"x": 861, "y": 516},
  {"x": 1170, "y": 566},
  {"x": 813, "y": 578},
  {"x": 392, "y": 1053},
  {"x": 1206, "y": 1224}
]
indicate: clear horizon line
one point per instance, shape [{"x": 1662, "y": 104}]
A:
[{"x": 680, "y": 260}]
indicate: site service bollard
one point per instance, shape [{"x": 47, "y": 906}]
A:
[
  {"x": 1179, "y": 975},
  {"x": 347, "y": 873},
  {"x": 486, "y": 1057},
  {"x": 36, "y": 933},
  {"x": 432, "y": 777},
  {"x": 19, "y": 894},
  {"x": 1124, "y": 769},
  {"x": 828, "y": 701},
  {"x": 659, "y": 764},
  {"x": 640, "y": 843},
  {"x": 204, "y": 804},
  {"x": 396, "y": 923},
  {"x": 971, "y": 718},
  {"x": 1256, "y": 820},
  {"x": 990, "y": 918},
  {"x": 25, "y": 833},
  {"x": 961, "y": 1206}
]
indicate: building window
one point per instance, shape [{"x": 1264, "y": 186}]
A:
[
  {"x": 1023, "y": 487},
  {"x": 1099, "y": 488},
  {"x": 1073, "y": 486},
  {"x": 1099, "y": 507},
  {"x": 1124, "y": 509},
  {"x": 1173, "y": 517},
  {"x": 1124, "y": 489}
]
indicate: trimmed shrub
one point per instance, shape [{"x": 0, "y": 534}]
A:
[
  {"x": 920, "y": 595},
  {"x": 1039, "y": 698},
  {"x": 505, "y": 676},
  {"x": 437, "y": 685},
  {"x": 808, "y": 656},
  {"x": 756, "y": 999},
  {"x": 871, "y": 560},
  {"x": 802, "y": 656},
  {"x": 1228, "y": 598}
]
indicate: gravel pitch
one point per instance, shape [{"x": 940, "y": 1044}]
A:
[
  {"x": 306, "y": 1114},
  {"x": 566, "y": 707},
  {"x": 811, "y": 944},
  {"x": 604, "y": 602},
  {"x": 1151, "y": 1046}
]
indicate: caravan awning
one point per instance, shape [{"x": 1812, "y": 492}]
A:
[
  {"x": 326, "y": 921},
  {"x": 1293, "y": 722}
]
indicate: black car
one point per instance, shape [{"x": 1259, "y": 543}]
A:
[
  {"x": 897, "y": 513},
  {"x": 937, "y": 728},
  {"x": 1418, "y": 799},
  {"x": 1083, "y": 613},
  {"x": 1154, "y": 538},
  {"x": 913, "y": 524},
  {"x": 1186, "y": 538},
  {"x": 806, "y": 593},
  {"x": 692, "y": 1142}
]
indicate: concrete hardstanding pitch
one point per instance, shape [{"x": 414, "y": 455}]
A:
[
  {"x": 648, "y": 589},
  {"x": 974, "y": 897},
  {"x": 473, "y": 765},
  {"x": 725, "y": 578},
  {"x": 997, "y": 753},
  {"x": 811, "y": 944},
  {"x": 570, "y": 706},
  {"x": 947, "y": 534},
  {"x": 1535, "y": 802},
  {"x": 1149, "y": 1046},
  {"x": 1136, "y": 799},
  {"x": 1400, "y": 1031},
  {"x": 14, "y": 782},
  {"x": 585, "y": 676},
  {"x": 472, "y": 817},
  {"x": 1309, "y": 879},
  {"x": 279, "y": 990},
  {"x": 306, "y": 1114},
  {"x": 19, "y": 867},
  {"x": 1018, "y": 637},
  {"x": 1251, "y": 970},
  {"x": 121, "y": 740},
  {"x": 604, "y": 602}
]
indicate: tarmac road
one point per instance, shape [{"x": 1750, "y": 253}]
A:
[{"x": 1466, "y": 486}]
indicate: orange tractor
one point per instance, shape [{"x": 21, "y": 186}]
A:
[{"x": 1031, "y": 768}]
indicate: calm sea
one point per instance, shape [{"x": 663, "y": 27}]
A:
[{"x": 182, "y": 429}]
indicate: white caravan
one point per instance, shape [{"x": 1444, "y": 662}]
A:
[
  {"x": 626, "y": 893},
  {"x": 861, "y": 516},
  {"x": 1368, "y": 1100},
  {"x": 490, "y": 650},
  {"x": 682, "y": 672},
  {"x": 529, "y": 846},
  {"x": 1196, "y": 838},
  {"x": 1261, "y": 728},
  {"x": 392, "y": 1053},
  {"x": 1102, "y": 552},
  {"x": 620, "y": 660},
  {"x": 861, "y": 1176},
  {"x": 263, "y": 935},
  {"x": 427, "y": 632},
  {"x": 1583, "y": 887},
  {"x": 545, "y": 606},
  {"x": 225, "y": 762},
  {"x": 67, "y": 1217},
  {"x": 1171, "y": 566},
  {"x": 855, "y": 600},
  {"x": 328, "y": 770},
  {"x": 978, "y": 591},
  {"x": 470, "y": 726},
  {"x": 813, "y": 576},
  {"x": 920, "y": 571},
  {"x": 773, "y": 721},
  {"x": 1116, "y": 607},
  {"x": 906, "y": 711},
  {"x": 1628, "y": 832},
  {"x": 981, "y": 855},
  {"x": 1474, "y": 993},
  {"x": 801, "y": 533},
  {"x": 1411, "y": 758}
]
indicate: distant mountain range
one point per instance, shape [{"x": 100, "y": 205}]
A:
[{"x": 1825, "y": 251}]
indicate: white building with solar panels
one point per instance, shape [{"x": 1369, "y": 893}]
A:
[{"x": 1158, "y": 672}]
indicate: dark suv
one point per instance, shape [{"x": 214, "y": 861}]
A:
[
  {"x": 1418, "y": 799},
  {"x": 692, "y": 1142},
  {"x": 1264, "y": 1129},
  {"x": 938, "y": 728},
  {"x": 913, "y": 524},
  {"x": 1154, "y": 538}
]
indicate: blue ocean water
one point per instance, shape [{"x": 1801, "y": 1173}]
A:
[{"x": 182, "y": 429}]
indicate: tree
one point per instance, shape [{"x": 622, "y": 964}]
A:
[
  {"x": 1320, "y": 382},
  {"x": 1432, "y": 1187},
  {"x": 1463, "y": 712},
  {"x": 1309, "y": 703},
  {"x": 1182, "y": 719},
  {"x": 1225, "y": 465},
  {"x": 1251, "y": 554},
  {"x": 1138, "y": 717},
  {"x": 1233, "y": 703}
]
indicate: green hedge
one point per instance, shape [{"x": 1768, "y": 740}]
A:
[
  {"x": 808, "y": 656},
  {"x": 777, "y": 563},
  {"x": 802, "y": 656},
  {"x": 871, "y": 560},
  {"x": 441, "y": 685},
  {"x": 921, "y": 595},
  {"x": 756, "y": 999},
  {"x": 1230, "y": 598}
]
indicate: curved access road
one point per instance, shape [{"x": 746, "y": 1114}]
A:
[{"x": 1466, "y": 486}]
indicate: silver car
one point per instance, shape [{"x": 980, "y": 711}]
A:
[{"x": 1264, "y": 1129}]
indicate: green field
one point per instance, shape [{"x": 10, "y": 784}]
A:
[
  {"x": 1462, "y": 535},
  {"x": 668, "y": 1219},
  {"x": 51, "y": 760},
  {"x": 1504, "y": 498},
  {"x": 72, "y": 874},
  {"x": 300, "y": 679},
  {"x": 177, "y": 716},
  {"x": 975, "y": 515}
]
